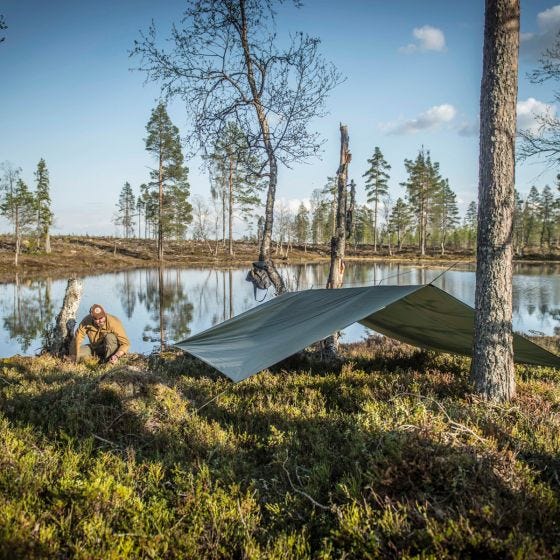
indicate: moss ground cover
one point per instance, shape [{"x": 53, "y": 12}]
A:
[{"x": 386, "y": 454}]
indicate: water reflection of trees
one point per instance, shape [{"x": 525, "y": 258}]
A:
[
  {"x": 205, "y": 297},
  {"x": 164, "y": 297},
  {"x": 27, "y": 310},
  {"x": 126, "y": 289}
]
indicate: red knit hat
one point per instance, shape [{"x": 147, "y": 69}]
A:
[{"x": 96, "y": 311}]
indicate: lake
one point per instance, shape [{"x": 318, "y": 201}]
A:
[{"x": 195, "y": 299}]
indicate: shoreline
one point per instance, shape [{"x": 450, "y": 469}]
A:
[{"x": 86, "y": 256}]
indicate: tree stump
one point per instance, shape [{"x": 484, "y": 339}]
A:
[{"x": 57, "y": 337}]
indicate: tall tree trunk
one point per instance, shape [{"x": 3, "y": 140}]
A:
[
  {"x": 57, "y": 337},
  {"x": 264, "y": 251},
  {"x": 224, "y": 214},
  {"x": 47, "y": 242},
  {"x": 338, "y": 242},
  {"x": 375, "y": 227},
  {"x": 160, "y": 209},
  {"x": 492, "y": 367},
  {"x": 230, "y": 209},
  {"x": 17, "y": 237}
]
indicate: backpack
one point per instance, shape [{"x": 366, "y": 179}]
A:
[{"x": 258, "y": 276}]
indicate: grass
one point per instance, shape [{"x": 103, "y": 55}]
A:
[{"x": 385, "y": 455}]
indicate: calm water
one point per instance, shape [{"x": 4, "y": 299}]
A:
[{"x": 195, "y": 299}]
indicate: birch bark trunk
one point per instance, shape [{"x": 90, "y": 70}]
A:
[{"x": 57, "y": 337}]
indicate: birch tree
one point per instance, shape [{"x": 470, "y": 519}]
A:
[
  {"x": 224, "y": 63},
  {"x": 20, "y": 208}
]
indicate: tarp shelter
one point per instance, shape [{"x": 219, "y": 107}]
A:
[{"x": 421, "y": 315}]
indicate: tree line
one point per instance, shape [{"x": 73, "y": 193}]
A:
[
  {"x": 426, "y": 216},
  {"x": 28, "y": 212}
]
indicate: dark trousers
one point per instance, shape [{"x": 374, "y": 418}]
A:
[{"x": 104, "y": 350}]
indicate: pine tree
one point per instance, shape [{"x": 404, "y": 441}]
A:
[
  {"x": 446, "y": 213},
  {"x": 376, "y": 186},
  {"x": 470, "y": 223},
  {"x": 424, "y": 182},
  {"x": 547, "y": 208},
  {"x": 126, "y": 209},
  {"x": 43, "y": 200},
  {"x": 531, "y": 215},
  {"x": 492, "y": 370},
  {"x": 170, "y": 176},
  {"x": 399, "y": 221}
]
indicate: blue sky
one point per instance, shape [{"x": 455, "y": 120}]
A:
[{"x": 412, "y": 78}]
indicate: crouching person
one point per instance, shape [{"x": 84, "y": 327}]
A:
[{"x": 106, "y": 335}]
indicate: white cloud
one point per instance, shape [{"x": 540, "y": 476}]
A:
[
  {"x": 428, "y": 38},
  {"x": 528, "y": 112},
  {"x": 430, "y": 119},
  {"x": 549, "y": 19},
  {"x": 534, "y": 44}
]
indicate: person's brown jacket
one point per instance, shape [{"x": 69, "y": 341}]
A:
[{"x": 96, "y": 334}]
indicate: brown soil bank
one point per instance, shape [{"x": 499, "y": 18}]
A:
[{"x": 73, "y": 255}]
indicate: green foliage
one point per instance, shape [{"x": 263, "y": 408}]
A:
[
  {"x": 423, "y": 184},
  {"x": 43, "y": 200},
  {"x": 302, "y": 225},
  {"x": 19, "y": 206},
  {"x": 399, "y": 221},
  {"x": 536, "y": 220},
  {"x": 377, "y": 187},
  {"x": 170, "y": 177},
  {"x": 388, "y": 455},
  {"x": 235, "y": 169},
  {"x": 126, "y": 208}
]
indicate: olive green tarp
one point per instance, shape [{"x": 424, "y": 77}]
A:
[{"x": 421, "y": 315}]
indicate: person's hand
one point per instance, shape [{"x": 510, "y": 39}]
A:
[{"x": 114, "y": 359}]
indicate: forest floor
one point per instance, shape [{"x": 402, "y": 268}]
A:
[
  {"x": 383, "y": 454},
  {"x": 80, "y": 255}
]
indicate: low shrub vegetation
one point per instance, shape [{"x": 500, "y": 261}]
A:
[{"x": 386, "y": 454}]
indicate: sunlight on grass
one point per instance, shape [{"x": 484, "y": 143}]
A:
[{"x": 387, "y": 455}]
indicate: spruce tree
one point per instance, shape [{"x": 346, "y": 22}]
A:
[
  {"x": 43, "y": 200},
  {"x": 376, "y": 186},
  {"x": 126, "y": 209},
  {"x": 170, "y": 175}
]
